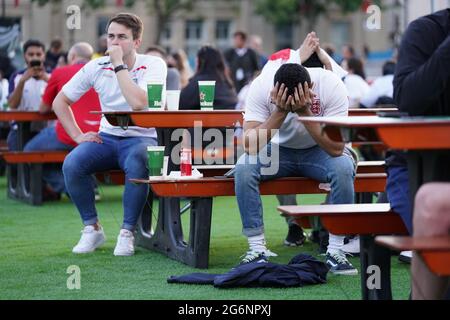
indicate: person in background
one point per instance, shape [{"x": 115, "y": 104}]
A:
[
  {"x": 54, "y": 52},
  {"x": 242, "y": 61},
  {"x": 255, "y": 43},
  {"x": 355, "y": 81},
  {"x": 179, "y": 60},
  {"x": 55, "y": 137},
  {"x": 26, "y": 87},
  {"x": 382, "y": 89},
  {"x": 347, "y": 52},
  {"x": 421, "y": 88},
  {"x": 102, "y": 46},
  {"x": 173, "y": 81}
]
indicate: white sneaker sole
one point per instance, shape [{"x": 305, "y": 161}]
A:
[
  {"x": 123, "y": 254},
  {"x": 345, "y": 272},
  {"x": 98, "y": 244}
]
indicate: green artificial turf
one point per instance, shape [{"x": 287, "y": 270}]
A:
[{"x": 36, "y": 243}]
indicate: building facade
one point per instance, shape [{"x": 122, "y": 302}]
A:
[{"x": 214, "y": 22}]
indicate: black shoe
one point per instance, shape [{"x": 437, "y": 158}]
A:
[
  {"x": 405, "y": 257},
  {"x": 295, "y": 236},
  {"x": 323, "y": 241},
  {"x": 314, "y": 237},
  {"x": 338, "y": 264}
]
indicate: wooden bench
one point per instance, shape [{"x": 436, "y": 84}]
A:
[
  {"x": 25, "y": 179},
  {"x": 435, "y": 251},
  {"x": 168, "y": 234},
  {"x": 367, "y": 221}
]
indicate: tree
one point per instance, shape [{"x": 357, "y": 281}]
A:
[{"x": 282, "y": 12}]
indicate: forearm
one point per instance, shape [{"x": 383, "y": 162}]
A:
[
  {"x": 134, "y": 95},
  {"x": 16, "y": 96},
  {"x": 331, "y": 147},
  {"x": 65, "y": 115},
  {"x": 255, "y": 138},
  {"x": 44, "y": 108}
]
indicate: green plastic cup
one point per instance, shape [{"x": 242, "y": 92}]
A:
[
  {"x": 154, "y": 95},
  {"x": 206, "y": 91},
  {"x": 155, "y": 160}
]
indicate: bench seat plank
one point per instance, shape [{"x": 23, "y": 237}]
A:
[
  {"x": 211, "y": 187},
  {"x": 434, "y": 250},
  {"x": 351, "y": 219},
  {"x": 34, "y": 156}
]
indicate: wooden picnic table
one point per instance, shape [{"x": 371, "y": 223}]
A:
[
  {"x": 426, "y": 141},
  {"x": 174, "y": 119}
]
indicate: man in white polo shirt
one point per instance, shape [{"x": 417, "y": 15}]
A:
[
  {"x": 283, "y": 91},
  {"x": 120, "y": 80}
]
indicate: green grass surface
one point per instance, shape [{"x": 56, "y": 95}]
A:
[{"x": 36, "y": 243}]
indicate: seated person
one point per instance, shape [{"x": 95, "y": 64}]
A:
[
  {"x": 26, "y": 87},
  {"x": 210, "y": 66},
  {"x": 173, "y": 81},
  {"x": 283, "y": 91},
  {"x": 382, "y": 89},
  {"x": 431, "y": 218},
  {"x": 55, "y": 137}
]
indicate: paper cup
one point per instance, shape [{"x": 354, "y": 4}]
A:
[
  {"x": 206, "y": 91},
  {"x": 155, "y": 160},
  {"x": 172, "y": 99},
  {"x": 154, "y": 95}
]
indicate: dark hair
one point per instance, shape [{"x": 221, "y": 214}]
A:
[
  {"x": 356, "y": 66},
  {"x": 350, "y": 49},
  {"x": 211, "y": 61},
  {"x": 158, "y": 49},
  {"x": 56, "y": 44},
  {"x": 291, "y": 74},
  {"x": 241, "y": 34},
  {"x": 388, "y": 68},
  {"x": 33, "y": 43},
  {"x": 313, "y": 62},
  {"x": 129, "y": 20}
]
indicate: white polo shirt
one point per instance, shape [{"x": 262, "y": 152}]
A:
[
  {"x": 99, "y": 74},
  {"x": 331, "y": 100}
]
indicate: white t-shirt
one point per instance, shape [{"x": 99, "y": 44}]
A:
[
  {"x": 331, "y": 100},
  {"x": 32, "y": 92},
  {"x": 99, "y": 74},
  {"x": 357, "y": 88},
  {"x": 381, "y": 87}
]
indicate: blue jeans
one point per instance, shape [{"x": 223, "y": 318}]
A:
[
  {"x": 126, "y": 153},
  {"x": 397, "y": 189},
  {"x": 47, "y": 140},
  {"x": 314, "y": 163}
]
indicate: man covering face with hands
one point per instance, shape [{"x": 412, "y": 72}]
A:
[{"x": 283, "y": 91}]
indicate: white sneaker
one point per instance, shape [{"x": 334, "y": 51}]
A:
[
  {"x": 90, "y": 240},
  {"x": 352, "y": 247},
  {"x": 125, "y": 243}
]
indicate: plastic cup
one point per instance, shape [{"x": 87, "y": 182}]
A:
[
  {"x": 154, "y": 95},
  {"x": 172, "y": 99},
  {"x": 206, "y": 91},
  {"x": 155, "y": 160}
]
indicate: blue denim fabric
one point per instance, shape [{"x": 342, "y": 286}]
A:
[
  {"x": 314, "y": 163},
  {"x": 47, "y": 140},
  {"x": 397, "y": 189},
  {"x": 126, "y": 153}
]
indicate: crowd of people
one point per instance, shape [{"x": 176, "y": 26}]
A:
[{"x": 273, "y": 91}]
